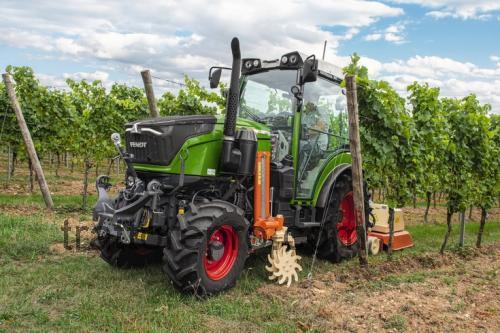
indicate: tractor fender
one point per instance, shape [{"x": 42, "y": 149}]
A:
[{"x": 330, "y": 181}]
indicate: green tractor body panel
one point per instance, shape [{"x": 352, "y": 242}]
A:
[
  {"x": 201, "y": 153},
  {"x": 333, "y": 162}
]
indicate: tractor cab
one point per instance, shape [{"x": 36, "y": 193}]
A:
[{"x": 300, "y": 100}]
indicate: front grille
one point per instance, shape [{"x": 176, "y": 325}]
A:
[{"x": 147, "y": 148}]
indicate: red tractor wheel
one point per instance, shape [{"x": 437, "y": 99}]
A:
[
  {"x": 221, "y": 253},
  {"x": 339, "y": 239},
  {"x": 346, "y": 228},
  {"x": 207, "y": 252}
]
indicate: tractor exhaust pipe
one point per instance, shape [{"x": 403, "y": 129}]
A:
[
  {"x": 234, "y": 91},
  {"x": 231, "y": 156}
]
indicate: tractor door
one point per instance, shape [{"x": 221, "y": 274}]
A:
[{"x": 323, "y": 130}]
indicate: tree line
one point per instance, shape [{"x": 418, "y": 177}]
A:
[{"x": 418, "y": 146}]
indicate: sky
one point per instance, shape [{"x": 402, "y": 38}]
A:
[{"x": 451, "y": 44}]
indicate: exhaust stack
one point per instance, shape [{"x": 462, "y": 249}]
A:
[
  {"x": 231, "y": 156},
  {"x": 234, "y": 91}
]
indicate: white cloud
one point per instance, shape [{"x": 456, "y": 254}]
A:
[
  {"x": 147, "y": 33},
  {"x": 463, "y": 9},
  {"x": 52, "y": 81},
  {"x": 89, "y": 76},
  {"x": 373, "y": 37},
  {"x": 454, "y": 78},
  {"x": 495, "y": 59},
  {"x": 25, "y": 39},
  {"x": 68, "y": 46},
  {"x": 120, "y": 38},
  {"x": 59, "y": 81},
  {"x": 393, "y": 34}
]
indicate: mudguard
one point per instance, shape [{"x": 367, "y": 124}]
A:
[{"x": 330, "y": 181}]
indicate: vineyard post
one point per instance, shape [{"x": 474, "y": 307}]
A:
[
  {"x": 462, "y": 228},
  {"x": 30, "y": 147},
  {"x": 9, "y": 162},
  {"x": 148, "y": 86},
  {"x": 357, "y": 172}
]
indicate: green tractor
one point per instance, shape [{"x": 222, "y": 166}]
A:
[{"x": 203, "y": 192}]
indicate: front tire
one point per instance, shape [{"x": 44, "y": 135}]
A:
[
  {"x": 126, "y": 256},
  {"x": 207, "y": 252}
]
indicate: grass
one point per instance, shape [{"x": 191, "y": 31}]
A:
[
  {"x": 397, "y": 322},
  {"x": 46, "y": 291},
  {"x": 61, "y": 202},
  {"x": 53, "y": 292},
  {"x": 24, "y": 237}
]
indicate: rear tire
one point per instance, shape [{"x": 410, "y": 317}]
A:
[
  {"x": 207, "y": 252},
  {"x": 339, "y": 237}
]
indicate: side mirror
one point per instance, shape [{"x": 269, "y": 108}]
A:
[
  {"x": 214, "y": 77},
  {"x": 296, "y": 92},
  {"x": 310, "y": 69}
]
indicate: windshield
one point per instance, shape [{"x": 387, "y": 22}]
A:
[{"x": 267, "y": 95}]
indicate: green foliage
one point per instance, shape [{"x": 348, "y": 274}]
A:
[
  {"x": 277, "y": 103},
  {"x": 8, "y": 127},
  {"x": 94, "y": 120},
  {"x": 474, "y": 145},
  {"x": 44, "y": 110},
  {"x": 438, "y": 144},
  {"x": 81, "y": 119},
  {"x": 193, "y": 99},
  {"x": 390, "y": 155},
  {"x": 470, "y": 162},
  {"x": 429, "y": 144},
  {"x": 431, "y": 136}
]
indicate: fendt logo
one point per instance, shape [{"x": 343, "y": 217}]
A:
[{"x": 138, "y": 144}]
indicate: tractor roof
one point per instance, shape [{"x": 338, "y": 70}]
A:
[{"x": 292, "y": 60}]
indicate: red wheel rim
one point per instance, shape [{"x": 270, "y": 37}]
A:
[
  {"x": 221, "y": 252},
  {"x": 346, "y": 228}
]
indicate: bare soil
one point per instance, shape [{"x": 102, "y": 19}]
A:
[
  {"x": 22, "y": 210},
  {"x": 429, "y": 293}
]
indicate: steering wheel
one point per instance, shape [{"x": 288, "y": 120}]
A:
[{"x": 279, "y": 121}]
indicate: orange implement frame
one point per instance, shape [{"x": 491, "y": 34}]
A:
[
  {"x": 264, "y": 224},
  {"x": 402, "y": 239}
]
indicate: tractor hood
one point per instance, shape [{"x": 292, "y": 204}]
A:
[{"x": 158, "y": 140}]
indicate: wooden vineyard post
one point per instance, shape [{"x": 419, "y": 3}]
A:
[
  {"x": 357, "y": 172},
  {"x": 148, "y": 86},
  {"x": 462, "y": 229},
  {"x": 30, "y": 147},
  {"x": 9, "y": 162}
]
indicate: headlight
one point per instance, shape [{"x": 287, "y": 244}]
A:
[
  {"x": 293, "y": 59},
  {"x": 255, "y": 63},
  {"x": 248, "y": 64},
  {"x": 284, "y": 59},
  {"x": 130, "y": 181}
]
